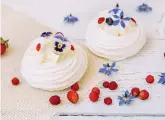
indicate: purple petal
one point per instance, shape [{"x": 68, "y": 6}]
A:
[
  {"x": 63, "y": 46},
  {"x": 115, "y": 10},
  {"x": 126, "y": 18},
  {"x": 128, "y": 101},
  {"x": 122, "y": 24},
  {"x": 114, "y": 70},
  {"x": 163, "y": 74},
  {"x": 127, "y": 92},
  {"x": 113, "y": 64},
  {"x": 115, "y": 16},
  {"x": 105, "y": 65},
  {"x": 108, "y": 72},
  {"x": 116, "y": 22},
  {"x": 56, "y": 43},
  {"x": 102, "y": 70},
  {"x": 120, "y": 98}
]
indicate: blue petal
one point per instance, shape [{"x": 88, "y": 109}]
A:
[
  {"x": 161, "y": 80},
  {"x": 131, "y": 97},
  {"x": 114, "y": 70},
  {"x": 120, "y": 98},
  {"x": 121, "y": 102},
  {"x": 126, "y": 18},
  {"x": 128, "y": 101},
  {"x": 115, "y": 16},
  {"x": 105, "y": 65},
  {"x": 75, "y": 19},
  {"x": 113, "y": 64},
  {"x": 121, "y": 14},
  {"x": 116, "y": 22},
  {"x": 115, "y": 10},
  {"x": 127, "y": 92},
  {"x": 163, "y": 74},
  {"x": 108, "y": 72},
  {"x": 56, "y": 43},
  {"x": 122, "y": 24},
  {"x": 102, "y": 70}
]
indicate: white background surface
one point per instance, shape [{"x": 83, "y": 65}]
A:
[{"x": 26, "y": 102}]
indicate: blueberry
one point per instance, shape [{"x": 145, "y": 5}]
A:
[{"x": 109, "y": 21}]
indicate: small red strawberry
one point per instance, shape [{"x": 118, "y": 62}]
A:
[
  {"x": 72, "y": 47},
  {"x": 73, "y": 97},
  {"x": 38, "y": 47},
  {"x": 107, "y": 100},
  {"x": 55, "y": 100},
  {"x": 75, "y": 87},
  {"x": 133, "y": 20},
  {"x": 113, "y": 85},
  {"x": 101, "y": 20},
  {"x": 135, "y": 91},
  {"x": 93, "y": 96},
  {"x": 96, "y": 90},
  {"x": 4, "y": 46},
  {"x": 105, "y": 84},
  {"x": 144, "y": 94},
  {"x": 150, "y": 79},
  {"x": 15, "y": 81}
]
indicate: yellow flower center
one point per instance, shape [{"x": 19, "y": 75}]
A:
[{"x": 60, "y": 45}]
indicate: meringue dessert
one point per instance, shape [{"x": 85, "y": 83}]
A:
[
  {"x": 114, "y": 35},
  {"x": 52, "y": 62}
]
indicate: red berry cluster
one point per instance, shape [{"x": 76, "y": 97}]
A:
[
  {"x": 111, "y": 85},
  {"x": 143, "y": 94}
]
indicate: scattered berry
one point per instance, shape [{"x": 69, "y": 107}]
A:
[
  {"x": 96, "y": 90},
  {"x": 108, "y": 101},
  {"x": 143, "y": 94},
  {"x": 135, "y": 91},
  {"x": 38, "y": 47},
  {"x": 72, "y": 48},
  {"x": 113, "y": 85},
  {"x": 55, "y": 100},
  {"x": 133, "y": 20},
  {"x": 101, "y": 20},
  {"x": 15, "y": 81},
  {"x": 93, "y": 96},
  {"x": 106, "y": 84},
  {"x": 75, "y": 87},
  {"x": 73, "y": 97},
  {"x": 4, "y": 45},
  {"x": 109, "y": 21},
  {"x": 150, "y": 79}
]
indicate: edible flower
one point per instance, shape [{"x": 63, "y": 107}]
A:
[
  {"x": 144, "y": 8},
  {"x": 71, "y": 19},
  {"x": 162, "y": 78},
  {"x": 46, "y": 34}
]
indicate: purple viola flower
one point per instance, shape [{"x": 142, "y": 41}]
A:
[
  {"x": 115, "y": 10},
  {"x": 71, "y": 19},
  {"x": 59, "y": 46},
  {"x": 144, "y": 8},
  {"x": 46, "y": 34},
  {"x": 126, "y": 98},
  {"x": 120, "y": 19},
  {"x": 162, "y": 78},
  {"x": 108, "y": 69},
  {"x": 60, "y": 36}
]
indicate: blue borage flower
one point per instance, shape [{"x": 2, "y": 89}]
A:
[
  {"x": 46, "y": 34},
  {"x": 71, "y": 19},
  {"x": 120, "y": 19},
  {"x": 59, "y": 46},
  {"x": 108, "y": 69},
  {"x": 60, "y": 36},
  {"x": 126, "y": 98},
  {"x": 144, "y": 8},
  {"x": 162, "y": 78},
  {"x": 115, "y": 10}
]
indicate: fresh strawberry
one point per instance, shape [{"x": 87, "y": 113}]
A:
[
  {"x": 135, "y": 91},
  {"x": 72, "y": 47},
  {"x": 93, "y": 96},
  {"x": 55, "y": 100},
  {"x": 15, "y": 81},
  {"x": 75, "y": 87},
  {"x": 150, "y": 79},
  {"x": 38, "y": 47},
  {"x": 105, "y": 84},
  {"x": 73, "y": 97},
  {"x": 4, "y": 46},
  {"x": 96, "y": 90},
  {"x": 144, "y": 94},
  {"x": 101, "y": 20},
  {"x": 113, "y": 85},
  {"x": 107, "y": 100}
]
